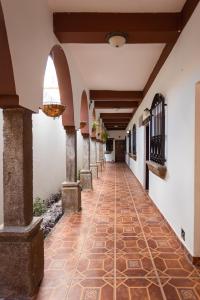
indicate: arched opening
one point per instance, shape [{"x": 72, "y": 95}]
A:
[
  {"x": 51, "y": 92},
  {"x": 64, "y": 83},
  {"x": 84, "y": 115}
]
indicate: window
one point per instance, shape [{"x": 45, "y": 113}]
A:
[
  {"x": 134, "y": 139},
  {"x": 129, "y": 141},
  {"x": 157, "y": 130},
  {"x": 109, "y": 145}
]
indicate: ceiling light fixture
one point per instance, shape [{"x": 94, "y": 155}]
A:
[{"x": 117, "y": 39}]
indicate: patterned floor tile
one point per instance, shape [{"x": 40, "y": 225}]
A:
[
  {"x": 119, "y": 247},
  {"x": 134, "y": 265},
  {"x": 138, "y": 289},
  {"x": 181, "y": 288},
  {"x": 91, "y": 289}
]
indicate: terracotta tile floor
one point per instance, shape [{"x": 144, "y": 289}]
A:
[{"x": 117, "y": 247}]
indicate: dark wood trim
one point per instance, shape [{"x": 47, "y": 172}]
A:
[
  {"x": 187, "y": 11},
  {"x": 9, "y": 101},
  {"x": 163, "y": 57},
  {"x": 116, "y": 121},
  {"x": 94, "y": 27},
  {"x": 115, "y": 116},
  {"x": 7, "y": 81},
  {"x": 70, "y": 129},
  {"x": 116, "y": 95},
  {"x": 185, "y": 14},
  {"x": 115, "y": 104},
  {"x": 114, "y": 129}
]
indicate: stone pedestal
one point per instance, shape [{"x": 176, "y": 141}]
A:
[
  {"x": 85, "y": 173},
  {"x": 93, "y": 158},
  {"x": 71, "y": 196},
  {"x": 21, "y": 240},
  {"x": 22, "y": 260},
  {"x": 86, "y": 179},
  {"x": 94, "y": 170},
  {"x": 99, "y": 165}
]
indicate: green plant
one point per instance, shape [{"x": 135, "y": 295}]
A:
[
  {"x": 39, "y": 207},
  {"x": 94, "y": 125},
  {"x": 104, "y": 136}
]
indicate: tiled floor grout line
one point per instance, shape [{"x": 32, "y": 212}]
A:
[
  {"x": 87, "y": 234},
  {"x": 140, "y": 223},
  {"x": 115, "y": 242}
]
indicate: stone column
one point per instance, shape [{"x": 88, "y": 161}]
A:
[
  {"x": 86, "y": 173},
  {"x": 71, "y": 189},
  {"x": 101, "y": 154},
  {"x": 21, "y": 240},
  {"x": 99, "y": 161},
  {"x": 93, "y": 157}
]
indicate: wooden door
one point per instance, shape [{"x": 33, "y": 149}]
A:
[{"x": 120, "y": 147}]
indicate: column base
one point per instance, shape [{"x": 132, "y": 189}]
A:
[
  {"x": 103, "y": 162},
  {"x": 94, "y": 169},
  {"x": 100, "y": 166},
  {"x": 86, "y": 179},
  {"x": 71, "y": 196},
  {"x": 21, "y": 260}
]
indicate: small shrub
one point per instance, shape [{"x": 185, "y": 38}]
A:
[{"x": 39, "y": 207}]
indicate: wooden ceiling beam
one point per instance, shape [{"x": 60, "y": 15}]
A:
[
  {"x": 115, "y": 115},
  {"x": 107, "y": 121},
  {"x": 94, "y": 27},
  {"x": 97, "y": 95},
  {"x": 115, "y": 104}
]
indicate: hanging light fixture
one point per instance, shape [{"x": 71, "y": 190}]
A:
[
  {"x": 52, "y": 106},
  {"x": 117, "y": 39}
]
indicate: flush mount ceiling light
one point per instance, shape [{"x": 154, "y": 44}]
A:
[{"x": 117, "y": 39}]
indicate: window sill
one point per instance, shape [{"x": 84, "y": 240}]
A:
[
  {"x": 133, "y": 156},
  {"x": 157, "y": 169}
]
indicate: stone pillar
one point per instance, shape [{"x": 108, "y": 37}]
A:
[
  {"x": 93, "y": 158},
  {"x": 101, "y": 154},
  {"x": 86, "y": 173},
  {"x": 71, "y": 189},
  {"x": 21, "y": 239},
  {"x": 99, "y": 161}
]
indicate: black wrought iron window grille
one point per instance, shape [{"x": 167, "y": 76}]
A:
[
  {"x": 129, "y": 141},
  {"x": 134, "y": 140},
  {"x": 157, "y": 130}
]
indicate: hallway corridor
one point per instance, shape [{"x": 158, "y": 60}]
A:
[{"x": 117, "y": 247}]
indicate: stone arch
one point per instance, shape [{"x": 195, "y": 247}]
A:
[
  {"x": 84, "y": 115},
  {"x": 8, "y": 95},
  {"x": 64, "y": 82}
]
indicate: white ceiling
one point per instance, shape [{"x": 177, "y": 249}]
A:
[
  {"x": 116, "y": 5},
  {"x": 108, "y": 68}
]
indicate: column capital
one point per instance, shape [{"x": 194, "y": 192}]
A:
[
  {"x": 70, "y": 129},
  {"x": 85, "y": 135}
]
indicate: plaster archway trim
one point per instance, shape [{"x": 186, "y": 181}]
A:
[
  {"x": 8, "y": 96},
  {"x": 65, "y": 85}
]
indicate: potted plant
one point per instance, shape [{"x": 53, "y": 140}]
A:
[{"x": 104, "y": 136}]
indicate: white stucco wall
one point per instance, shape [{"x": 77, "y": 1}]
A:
[
  {"x": 116, "y": 135},
  {"x": 49, "y": 155},
  {"x": 176, "y": 81}
]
